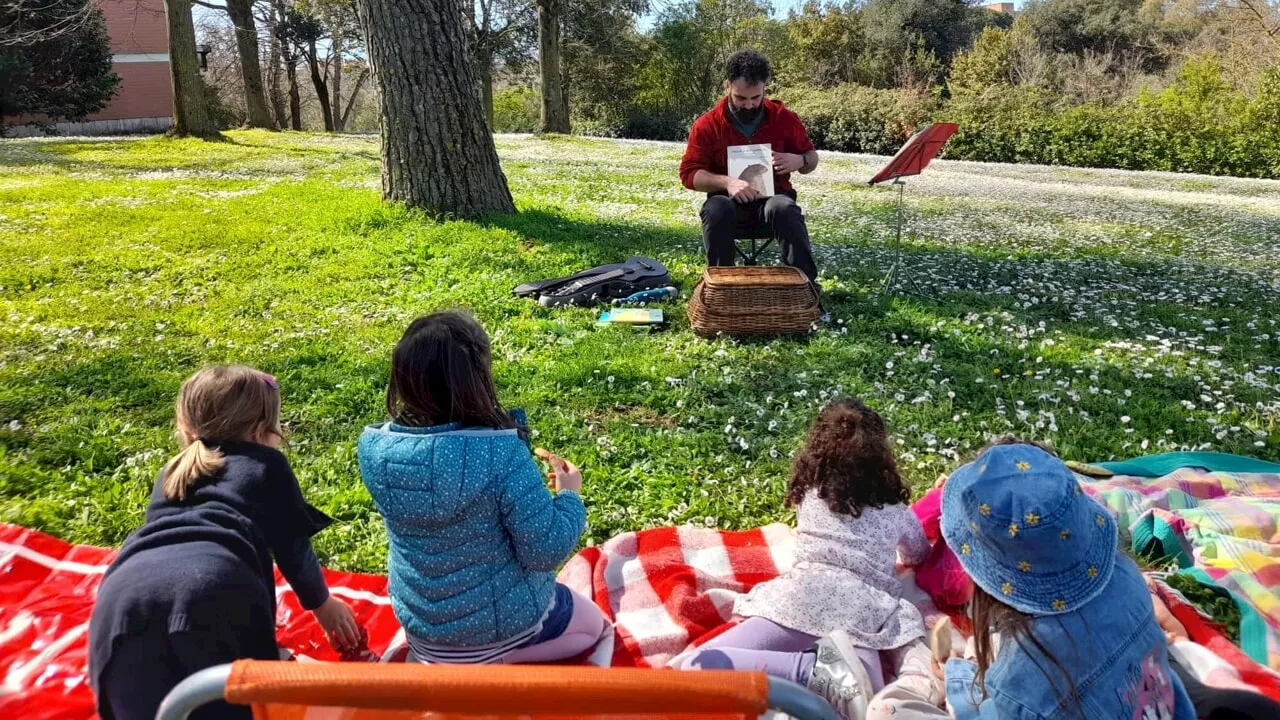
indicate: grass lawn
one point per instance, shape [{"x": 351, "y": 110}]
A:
[{"x": 1112, "y": 313}]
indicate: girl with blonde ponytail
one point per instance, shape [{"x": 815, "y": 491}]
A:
[
  {"x": 194, "y": 587},
  {"x": 221, "y": 402}
]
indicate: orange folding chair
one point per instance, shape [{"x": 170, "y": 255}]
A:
[{"x": 387, "y": 691}]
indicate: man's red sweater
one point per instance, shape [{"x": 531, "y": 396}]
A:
[{"x": 712, "y": 134}]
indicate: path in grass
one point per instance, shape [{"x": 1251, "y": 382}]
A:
[{"x": 1113, "y": 313}]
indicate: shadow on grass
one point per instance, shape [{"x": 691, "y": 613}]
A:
[
  {"x": 954, "y": 282},
  {"x": 61, "y": 153},
  {"x": 288, "y": 149},
  {"x": 119, "y": 389},
  {"x": 595, "y": 242}
]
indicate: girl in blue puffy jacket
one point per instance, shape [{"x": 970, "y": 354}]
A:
[{"x": 475, "y": 536}]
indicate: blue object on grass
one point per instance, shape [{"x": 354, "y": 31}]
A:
[{"x": 653, "y": 295}]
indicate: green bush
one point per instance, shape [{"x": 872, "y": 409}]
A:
[
  {"x": 1198, "y": 124},
  {"x": 658, "y": 126},
  {"x": 998, "y": 124},
  {"x": 1204, "y": 125},
  {"x": 516, "y": 110},
  {"x": 854, "y": 118},
  {"x": 640, "y": 125},
  {"x": 599, "y": 127}
]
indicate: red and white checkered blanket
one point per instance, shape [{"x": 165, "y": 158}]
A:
[
  {"x": 665, "y": 589},
  {"x": 668, "y": 588}
]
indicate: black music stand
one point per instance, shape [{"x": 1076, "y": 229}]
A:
[{"x": 911, "y": 160}]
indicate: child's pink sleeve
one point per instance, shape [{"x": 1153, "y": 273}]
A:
[
  {"x": 928, "y": 510},
  {"x": 944, "y": 579},
  {"x": 940, "y": 575}
]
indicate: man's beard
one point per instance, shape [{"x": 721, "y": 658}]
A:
[{"x": 745, "y": 115}]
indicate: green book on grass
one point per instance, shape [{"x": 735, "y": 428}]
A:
[{"x": 638, "y": 317}]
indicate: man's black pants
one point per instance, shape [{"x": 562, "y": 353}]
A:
[{"x": 723, "y": 219}]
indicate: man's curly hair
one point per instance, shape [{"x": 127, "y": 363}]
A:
[
  {"x": 848, "y": 459},
  {"x": 749, "y": 66}
]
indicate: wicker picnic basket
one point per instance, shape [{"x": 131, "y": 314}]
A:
[{"x": 753, "y": 301}]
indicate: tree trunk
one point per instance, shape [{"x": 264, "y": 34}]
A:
[
  {"x": 351, "y": 101},
  {"x": 190, "y": 111},
  {"x": 437, "y": 152},
  {"x": 273, "y": 81},
  {"x": 295, "y": 98},
  {"x": 564, "y": 91},
  {"x": 322, "y": 88},
  {"x": 255, "y": 98},
  {"x": 555, "y": 118},
  {"x": 484, "y": 72},
  {"x": 335, "y": 86}
]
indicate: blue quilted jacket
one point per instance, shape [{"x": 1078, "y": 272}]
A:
[{"x": 475, "y": 537}]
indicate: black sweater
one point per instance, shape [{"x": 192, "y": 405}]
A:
[{"x": 205, "y": 563}]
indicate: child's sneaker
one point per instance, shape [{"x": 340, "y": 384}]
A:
[
  {"x": 839, "y": 677},
  {"x": 918, "y": 670}
]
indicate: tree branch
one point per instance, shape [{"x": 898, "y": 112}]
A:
[
  {"x": 1261, "y": 13},
  {"x": 211, "y": 6},
  {"x": 16, "y": 34},
  {"x": 351, "y": 102}
]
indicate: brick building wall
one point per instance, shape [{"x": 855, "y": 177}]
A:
[
  {"x": 140, "y": 56},
  {"x": 140, "y": 45}
]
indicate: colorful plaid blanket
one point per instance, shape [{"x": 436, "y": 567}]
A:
[{"x": 1219, "y": 526}]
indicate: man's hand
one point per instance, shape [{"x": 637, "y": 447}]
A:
[
  {"x": 784, "y": 163},
  {"x": 741, "y": 190}
]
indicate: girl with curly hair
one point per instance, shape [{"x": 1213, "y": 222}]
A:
[{"x": 840, "y": 604}]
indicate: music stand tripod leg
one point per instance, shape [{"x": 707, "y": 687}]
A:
[
  {"x": 892, "y": 275},
  {"x": 895, "y": 268}
]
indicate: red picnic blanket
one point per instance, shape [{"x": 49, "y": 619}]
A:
[
  {"x": 665, "y": 589},
  {"x": 47, "y": 589}
]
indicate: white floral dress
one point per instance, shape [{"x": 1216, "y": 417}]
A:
[{"x": 843, "y": 577}]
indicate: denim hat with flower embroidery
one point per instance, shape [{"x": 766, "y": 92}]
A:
[{"x": 1025, "y": 531}]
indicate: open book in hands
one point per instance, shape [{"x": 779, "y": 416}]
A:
[{"x": 753, "y": 163}]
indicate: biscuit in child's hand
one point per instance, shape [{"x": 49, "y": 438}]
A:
[
  {"x": 556, "y": 463},
  {"x": 940, "y": 640}
]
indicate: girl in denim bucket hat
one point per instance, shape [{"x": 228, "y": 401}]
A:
[{"x": 1075, "y": 617}]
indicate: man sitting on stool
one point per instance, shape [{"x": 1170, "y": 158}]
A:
[{"x": 746, "y": 117}]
